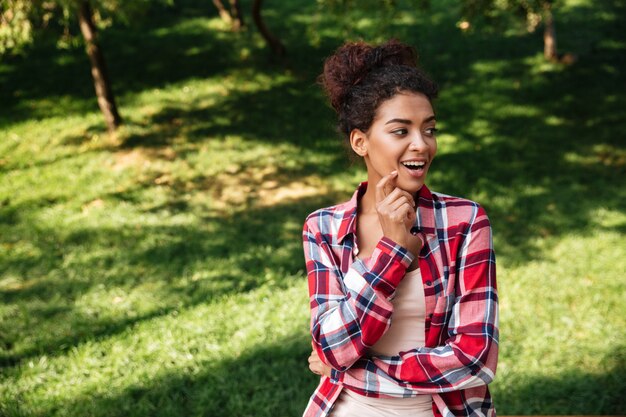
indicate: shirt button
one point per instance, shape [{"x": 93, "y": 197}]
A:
[{"x": 429, "y": 283}]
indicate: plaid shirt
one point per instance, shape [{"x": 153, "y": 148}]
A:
[{"x": 351, "y": 307}]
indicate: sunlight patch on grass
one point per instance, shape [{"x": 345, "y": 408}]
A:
[
  {"x": 606, "y": 218},
  {"x": 604, "y": 154},
  {"x": 490, "y": 68},
  {"x": 552, "y": 120},
  {"x": 511, "y": 110},
  {"x": 446, "y": 142},
  {"x": 115, "y": 303},
  {"x": 190, "y": 25},
  {"x": 556, "y": 308},
  {"x": 538, "y": 65},
  {"x": 481, "y": 128},
  {"x": 570, "y": 4},
  {"x": 612, "y": 44}
]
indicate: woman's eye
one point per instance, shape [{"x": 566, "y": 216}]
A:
[
  {"x": 400, "y": 132},
  {"x": 432, "y": 131}
]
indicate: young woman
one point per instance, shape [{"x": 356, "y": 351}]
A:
[{"x": 402, "y": 283}]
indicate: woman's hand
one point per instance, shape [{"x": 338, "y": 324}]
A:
[
  {"x": 396, "y": 213},
  {"x": 317, "y": 366}
]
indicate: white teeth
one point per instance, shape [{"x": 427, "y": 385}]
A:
[{"x": 414, "y": 164}]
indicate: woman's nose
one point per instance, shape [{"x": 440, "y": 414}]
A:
[{"x": 417, "y": 143}]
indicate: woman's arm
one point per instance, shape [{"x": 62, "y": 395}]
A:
[
  {"x": 469, "y": 356},
  {"x": 350, "y": 312}
]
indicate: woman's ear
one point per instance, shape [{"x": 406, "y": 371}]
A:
[{"x": 358, "y": 142}]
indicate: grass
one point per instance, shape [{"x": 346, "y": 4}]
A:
[{"x": 159, "y": 271}]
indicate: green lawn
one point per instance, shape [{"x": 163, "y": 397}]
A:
[{"x": 159, "y": 271}]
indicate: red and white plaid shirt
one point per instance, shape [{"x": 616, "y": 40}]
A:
[{"x": 351, "y": 307}]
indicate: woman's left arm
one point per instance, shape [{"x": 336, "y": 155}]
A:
[{"x": 469, "y": 356}]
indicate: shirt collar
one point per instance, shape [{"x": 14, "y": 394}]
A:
[{"x": 425, "y": 212}]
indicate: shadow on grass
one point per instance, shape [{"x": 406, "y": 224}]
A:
[
  {"x": 256, "y": 247},
  {"x": 290, "y": 112},
  {"x": 542, "y": 168},
  {"x": 274, "y": 380},
  {"x": 569, "y": 393}
]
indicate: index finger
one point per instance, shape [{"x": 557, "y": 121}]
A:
[{"x": 383, "y": 185}]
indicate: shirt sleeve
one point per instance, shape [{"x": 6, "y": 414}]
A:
[
  {"x": 351, "y": 311},
  {"x": 468, "y": 358}
]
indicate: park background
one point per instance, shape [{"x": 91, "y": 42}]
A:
[{"x": 158, "y": 270}]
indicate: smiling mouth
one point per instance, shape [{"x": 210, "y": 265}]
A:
[{"x": 414, "y": 166}]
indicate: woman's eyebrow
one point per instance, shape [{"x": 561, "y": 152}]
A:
[
  {"x": 408, "y": 122},
  {"x": 405, "y": 121}
]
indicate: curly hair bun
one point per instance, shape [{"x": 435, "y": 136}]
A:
[{"x": 353, "y": 61}]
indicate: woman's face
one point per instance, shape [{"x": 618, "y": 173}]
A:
[{"x": 402, "y": 138}]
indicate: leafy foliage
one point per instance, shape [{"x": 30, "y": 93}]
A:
[
  {"x": 497, "y": 12},
  {"x": 21, "y": 20}
]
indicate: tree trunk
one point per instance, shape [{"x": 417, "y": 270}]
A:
[
  {"x": 226, "y": 17},
  {"x": 275, "y": 44},
  {"x": 235, "y": 12},
  {"x": 106, "y": 101},
  {"x": 549, "y": 33}
]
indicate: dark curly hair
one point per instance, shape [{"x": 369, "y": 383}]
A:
[{"x": 359, "y": 77}]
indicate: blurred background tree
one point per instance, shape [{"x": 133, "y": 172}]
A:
[
  {"x": 233, "y": 15},
  {"x": 22, "y": 21},
  {"x": 531, "y": 13},
  {"x": 528, "y": 15},
  {"x": 16, "y": 29}
]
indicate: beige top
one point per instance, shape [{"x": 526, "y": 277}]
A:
[
  {"x": 407, "y": 321},
  {"x": 406, "y": 332}
]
